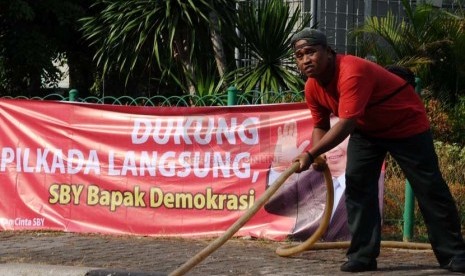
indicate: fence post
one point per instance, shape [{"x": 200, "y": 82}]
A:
[
  {"x": 409, "y": 205},
  {"x": 418, "y": 85},
  {"x": 232, "y": 95},
  {"x": 409, "y": 214},
  {"x": 73, "y": 95}
]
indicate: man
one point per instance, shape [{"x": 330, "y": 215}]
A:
[{"x": 381, "y": 113}]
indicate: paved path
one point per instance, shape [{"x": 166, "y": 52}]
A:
[{"x": 68, "y": 254}]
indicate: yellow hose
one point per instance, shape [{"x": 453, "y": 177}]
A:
[
  {"x": 385, "y": 244},
  {"x": 310, "y": 243}
]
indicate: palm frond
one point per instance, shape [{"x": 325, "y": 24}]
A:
[{"x": 267, "y": 27}]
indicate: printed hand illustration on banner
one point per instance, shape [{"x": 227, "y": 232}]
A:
[{"x": 287, "y": 148}]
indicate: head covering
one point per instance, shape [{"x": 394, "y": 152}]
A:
[{"x": 312, "y": 36}]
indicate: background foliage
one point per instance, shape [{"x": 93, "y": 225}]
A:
[
  {"x": 430, "y": 41},
  {"x": 35, "y": 35}
]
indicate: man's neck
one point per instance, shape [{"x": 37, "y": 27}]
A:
[{"x": 328, "y": 75}]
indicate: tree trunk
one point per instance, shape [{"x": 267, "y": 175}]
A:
[
  {"x": 217, "y": 43},
  {"x": 182, "y": 54}
]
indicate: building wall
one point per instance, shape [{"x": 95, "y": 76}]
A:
[{"x": 337, "y": 17}]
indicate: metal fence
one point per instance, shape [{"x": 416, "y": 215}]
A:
[{"x": 231, "y": 96}]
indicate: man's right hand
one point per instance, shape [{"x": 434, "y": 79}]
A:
[{"x": 305, "y": 160}]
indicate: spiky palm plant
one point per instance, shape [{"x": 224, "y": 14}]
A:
[
  {"x": 173, "y": 35},
  {"x": 266, "y": 27}
]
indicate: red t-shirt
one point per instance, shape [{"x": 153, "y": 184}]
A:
[{"x": 356, "y": 85}]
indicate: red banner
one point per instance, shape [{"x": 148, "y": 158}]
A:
[
  {"x": 158, "y": 171},
  {"x": 139, "y": 170}
]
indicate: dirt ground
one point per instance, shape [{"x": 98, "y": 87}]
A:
[{"x": 155, "y": 256}]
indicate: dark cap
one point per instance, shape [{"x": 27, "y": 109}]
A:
[{"x": 312, "y": 36}]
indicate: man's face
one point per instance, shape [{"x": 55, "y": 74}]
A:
[{"x": 312, "y": 60}]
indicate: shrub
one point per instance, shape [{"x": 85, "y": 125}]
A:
[{"x": 451, "y": 159}]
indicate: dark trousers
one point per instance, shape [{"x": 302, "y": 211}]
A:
[{"x": 418, "y": 160}]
